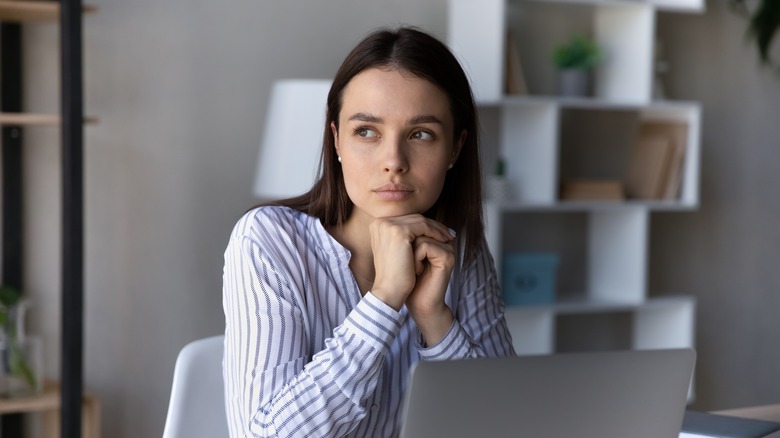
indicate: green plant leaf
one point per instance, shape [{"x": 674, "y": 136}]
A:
[
  {"x": 20, "y": 367},
  {"x": 764, "y": 25},
  {"x": 9, "y": 295},
  {"x": 579, "y": 53}
]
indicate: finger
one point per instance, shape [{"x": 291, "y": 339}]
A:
[
  {"x": 419, "y": 266},
  {"x": 436, "y": 253},
  {"x": 419, "y": 225}
]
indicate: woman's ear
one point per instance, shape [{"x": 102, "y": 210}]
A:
[
  {"x": 335, "y": 132},
  {"x": 458, "y": 146}
]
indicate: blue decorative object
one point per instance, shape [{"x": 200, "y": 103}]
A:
[{"x": 529, "y": 278}]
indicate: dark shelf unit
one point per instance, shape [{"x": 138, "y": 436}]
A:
[{"x": 71, "y": 120}]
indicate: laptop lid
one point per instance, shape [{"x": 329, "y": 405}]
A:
[{"x": 606, "y": 394}]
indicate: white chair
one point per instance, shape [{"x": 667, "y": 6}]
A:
[{"x": 197, "y": 405}]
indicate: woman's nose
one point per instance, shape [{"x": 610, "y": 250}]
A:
[{"x": 395, "y": 159}]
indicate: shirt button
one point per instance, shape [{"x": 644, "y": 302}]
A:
[{"x": 374, "y": 408}]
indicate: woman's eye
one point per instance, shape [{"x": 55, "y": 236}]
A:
[
  {"x": 422, "y": 135},
  {"x": 365, "y": 132}
]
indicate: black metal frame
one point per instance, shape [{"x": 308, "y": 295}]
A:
[
  {"x": 72, "y": 217},
  {"x": 12, "y": 167},
  {"x": 72, "y": 202}
]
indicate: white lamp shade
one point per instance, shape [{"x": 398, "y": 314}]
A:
[{"x": 292, "y": 142}]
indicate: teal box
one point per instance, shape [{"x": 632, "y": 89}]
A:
[{"x": 529, "y": 278}]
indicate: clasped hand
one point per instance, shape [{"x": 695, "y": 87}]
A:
[{"x": 413, "y": 259}]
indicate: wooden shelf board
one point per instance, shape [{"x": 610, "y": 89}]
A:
[
  {"x": 32, "y": 11},
  {"x": 49, "y": 398},
  {"x": 36, "y": 119}
]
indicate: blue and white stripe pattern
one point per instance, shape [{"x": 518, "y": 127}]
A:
[{"x": 307, "y": 356}]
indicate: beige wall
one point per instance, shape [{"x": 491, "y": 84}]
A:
[
  {"x": 728, "y": 252},
  {"x": 180, "y": 88}
]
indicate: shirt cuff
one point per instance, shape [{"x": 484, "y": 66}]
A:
[
  {"x": 375, "y": 322},
  {"x": 454, "y": 345}
]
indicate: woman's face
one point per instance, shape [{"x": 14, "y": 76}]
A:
[{"x": 395, "y": 141}]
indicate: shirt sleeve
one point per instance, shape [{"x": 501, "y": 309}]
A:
[
  {"x": 275, "y": 386},
  {"x": 479, "y": 328}
]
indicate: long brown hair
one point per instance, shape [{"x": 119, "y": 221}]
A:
[{"x": 460, "y": 203}]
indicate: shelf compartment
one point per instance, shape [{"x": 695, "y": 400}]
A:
[
  {"x": 663, "y": 322},
  {"x": 602, "y": 253},
  {"x": 31, "y": 119},
  {"x": 33, "y": 11},
  {"x": 545, "y": 142},
  {"x": 625, "y": 30}
]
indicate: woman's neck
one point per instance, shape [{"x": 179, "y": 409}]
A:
[{"x": 355, "y": 236}]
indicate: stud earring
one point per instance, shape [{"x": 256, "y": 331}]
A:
[
  {"x": 339, "y": 158},
  {"x": 450, "y": 166}
]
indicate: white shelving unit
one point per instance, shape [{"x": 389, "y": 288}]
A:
[{"x": 529, "y": 138}]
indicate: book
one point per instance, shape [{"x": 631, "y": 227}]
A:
[
  {"x": 648, "y": 166},
  {"x": 702, "y": 424},
  {"x": 656, "y": 165},
  {"x": 515, "y": 77},
  {"x": 677, "y": 133},
  {"x": 592, "y": 190}
]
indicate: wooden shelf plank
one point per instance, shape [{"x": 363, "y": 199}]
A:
[
  {"x": 32, "y": 11},
  {"x": 48, "y": 403},
  {"x": 35, "y": 119},
  {"x": 48, "y": 399}
]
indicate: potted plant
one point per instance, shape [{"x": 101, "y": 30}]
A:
[
  {"x": 17, "y": 376},
  {"x": 764, "y": 26},
  {"x": 575, "y": 61}
]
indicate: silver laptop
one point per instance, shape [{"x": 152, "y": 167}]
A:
[{"x": 619, "y": 394}]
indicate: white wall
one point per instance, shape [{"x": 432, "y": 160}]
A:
[{"x": 180, "y": 88}]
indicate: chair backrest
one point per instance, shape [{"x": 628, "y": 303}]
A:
[{"x": 197, "y": 405}]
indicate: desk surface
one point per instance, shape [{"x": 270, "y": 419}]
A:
[{"x": 766, "y": 412}]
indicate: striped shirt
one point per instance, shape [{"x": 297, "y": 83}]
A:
[{"x": 307, "y": 356}]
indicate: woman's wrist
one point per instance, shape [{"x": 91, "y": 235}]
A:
[
  {"x": 393, "y": 301},
  {"x": 433, "y": 325}
]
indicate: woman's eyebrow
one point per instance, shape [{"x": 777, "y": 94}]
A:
[
  {"x": 416, "y": 120},
  {"x": 422, "y": 119},
  {"x": 363, "y": 117}
]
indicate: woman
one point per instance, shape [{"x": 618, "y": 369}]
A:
[{"x": 332, "y": 296}]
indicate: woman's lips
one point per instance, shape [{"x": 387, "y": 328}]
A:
[{"x": 394, "y": 192}]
